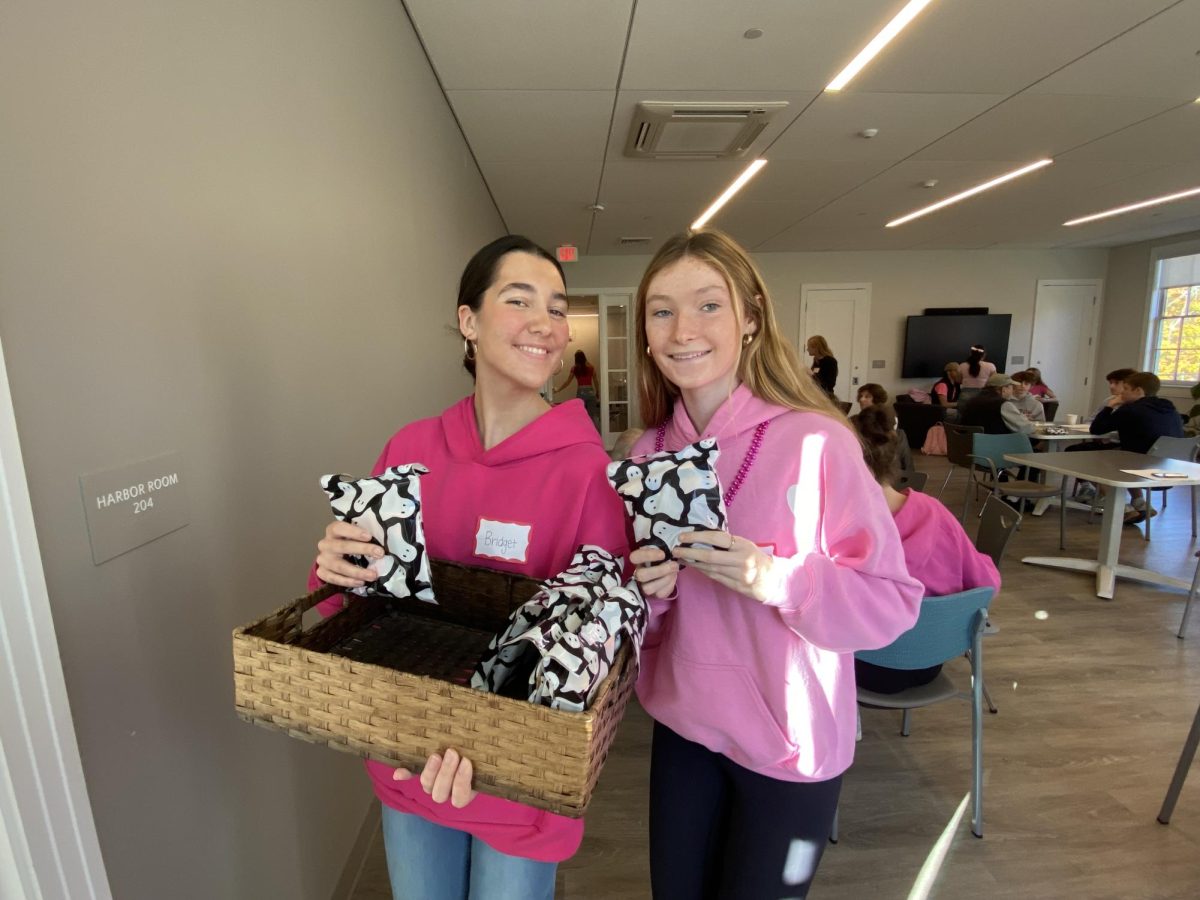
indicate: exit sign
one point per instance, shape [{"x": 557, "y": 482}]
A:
[{"x": 567, "y": 253}]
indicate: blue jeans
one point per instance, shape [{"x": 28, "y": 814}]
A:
[{"x": 427, "y": 861}]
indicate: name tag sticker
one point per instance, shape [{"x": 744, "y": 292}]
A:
[{"x": 507, "y": 541}]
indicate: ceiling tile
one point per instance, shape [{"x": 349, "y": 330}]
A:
[
  {"x": 1151, "y": 60},
  {"x": 516, "y": 184},
  {"x": 523, "y": 44},
  {"x": 516, "y": 126},
  {"x": 699, "y": 45},
  {"x": 1171, "y": 137},
  {"x": 1031, "y": 126},
  {"x": 990, "y": 47},
  {"x": 830, "y": 127}
]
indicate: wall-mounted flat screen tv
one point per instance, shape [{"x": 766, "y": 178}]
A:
[{"x": 932, "y": 341}]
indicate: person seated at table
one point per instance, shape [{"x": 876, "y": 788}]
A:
[
  {"x": 1139, "y": 417},
  {"x": 945, "y": 389},
  {"x": 993, "y": 409},
  {"x": 1085, "y": 491},
  {"x": 937, "y": 551},
  {"x": 1023, "y": 398},
  {"x": 1037, "y": 387},
  {"x": 872, "y": 395}
]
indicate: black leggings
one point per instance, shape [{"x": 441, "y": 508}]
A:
[{"x": 718, "y": 830}]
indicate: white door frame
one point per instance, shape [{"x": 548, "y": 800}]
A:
[
  {"x": 46, "y": 823},
  {"x": 629, "y": 295},
  {"x": 1096, "y": 284},
  {"x": 862, "y": 332}
]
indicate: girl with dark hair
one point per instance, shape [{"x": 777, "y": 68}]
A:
[
  {"x": 1039, "y": 388},
  {"x": 976, "y": 370},
  {"x": 583, "y": 373},
  {"x": 500, "y": 459},
  {"x": 747, "y": 665},
  {"x": 937, "y": 551}
]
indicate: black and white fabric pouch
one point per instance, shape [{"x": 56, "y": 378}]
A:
[
  {"x": 567, "y": 635},
  {"x": 669, "y": 493},
  {"x": 388, "y": 507}
]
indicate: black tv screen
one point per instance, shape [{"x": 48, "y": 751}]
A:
[{"x": 932, "y": 341}]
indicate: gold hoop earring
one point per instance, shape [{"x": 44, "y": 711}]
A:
[
  {"x": 468, "y": 350},
  {"x": 561, "y": 364},
  {"x": 648, "y": 353}
]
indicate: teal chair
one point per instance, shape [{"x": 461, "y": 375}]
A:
[
  {"x": 987, "y": 453},
  {"x": 947, "y": 627}
]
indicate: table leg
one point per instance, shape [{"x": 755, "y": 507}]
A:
[{"x": 1111, "y": 524}]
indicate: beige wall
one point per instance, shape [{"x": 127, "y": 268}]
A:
[
  {"x": 902, "y": 284},
  {"x": 1127, "y": 309},
  {"x": 235, "y": 230}
]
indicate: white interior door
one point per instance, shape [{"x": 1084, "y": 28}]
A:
[
  {"x": 1065, "y": 318},
  {"x": 617, "y": 398},
  {"x": 841, "y": 313}
]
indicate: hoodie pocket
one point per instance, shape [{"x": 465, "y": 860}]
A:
[{"x": 721, "y": 707}]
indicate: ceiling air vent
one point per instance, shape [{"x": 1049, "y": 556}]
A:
[
  {"x": 693, "y": 130},
  {"x": 632, "y": 241}
]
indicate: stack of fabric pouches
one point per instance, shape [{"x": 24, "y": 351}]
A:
[{"x": 560, "y": 645}]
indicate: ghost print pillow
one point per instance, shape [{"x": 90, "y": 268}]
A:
[
  {"x": 388, "y": 507},
  {"x": 667, "y": 494}
]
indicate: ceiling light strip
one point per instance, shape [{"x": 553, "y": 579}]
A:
[
  {"x": 1131, "y": 207},
  {"x": 971, "y": 192},
  {"x": 881, "y": 40},
  {"x": 750, "y": 171}
]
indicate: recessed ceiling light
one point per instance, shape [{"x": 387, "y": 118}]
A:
[
  {"x": 1154, "y": 201},
  {"x": 971, "y": 192},
  {"x": 750, "y": 171},
  {"x": 877, "y": 43}
]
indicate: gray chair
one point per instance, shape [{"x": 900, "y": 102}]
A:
[
  {"x": 1181, "y": 770},
  {"x": 1184, "y": 448},
  {"x": 988, "y": 455},
  {"x": 958, "y": 451},
  {"x": 913, "y": 479},
  {"x": 947, "y": 627},
  {"x": 997, "y": 522}
]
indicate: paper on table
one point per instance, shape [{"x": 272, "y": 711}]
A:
[{"x": 1154, "y": 473}]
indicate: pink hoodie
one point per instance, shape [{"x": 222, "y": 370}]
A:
[
  {"x": 535, "y": 497},
  {"x": 937, "y": 550},
  {"x": 771, "y": 686}
]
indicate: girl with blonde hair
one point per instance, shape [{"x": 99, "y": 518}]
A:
[{"x": 748, "y": 666}]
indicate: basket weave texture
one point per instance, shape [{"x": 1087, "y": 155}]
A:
[{"x": 387, "y": 680}]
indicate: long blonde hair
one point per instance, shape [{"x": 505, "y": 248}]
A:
[
  {"x": 820, "y": 346},
  {"x": 768, "y": 365}
]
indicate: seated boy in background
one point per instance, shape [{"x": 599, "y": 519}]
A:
[
  {"x": 1140, "y": 417},
  {"x": 1029, "y": 405}
]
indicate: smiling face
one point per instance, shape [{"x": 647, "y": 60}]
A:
[
  {"x": 693, "y": 330},
  {"x": 520, "y": 329}
]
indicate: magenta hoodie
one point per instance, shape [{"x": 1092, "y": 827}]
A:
[
  {"x": 937, "y": 550},
  {"x": 533, "y": 498},
  {"x": 771, "y": 685}
]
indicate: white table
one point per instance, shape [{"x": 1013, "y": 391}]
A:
[{"x": 1104, "y": 467}]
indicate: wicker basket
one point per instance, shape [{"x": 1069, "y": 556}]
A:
[{"x": 388, "y": 680}]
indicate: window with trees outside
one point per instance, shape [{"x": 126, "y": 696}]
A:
[{"x": 1175, "y": 330}]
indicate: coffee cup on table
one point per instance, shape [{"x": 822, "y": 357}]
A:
[{"x": 1072, "y": 418}]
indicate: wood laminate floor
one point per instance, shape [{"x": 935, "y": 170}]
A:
[{"x": 1095, "y": 696}]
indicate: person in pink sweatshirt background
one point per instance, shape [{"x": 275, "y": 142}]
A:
[
  {"x": 937, "y": 551},
  {"x": 747, "y": 665},
  {"x": 513, "y": 485}
]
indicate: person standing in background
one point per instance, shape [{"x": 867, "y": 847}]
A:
[
  {"x": 975, "y": 374},
  {"x": 583, "y": 373},
  {"x": 824, "y": 368}
]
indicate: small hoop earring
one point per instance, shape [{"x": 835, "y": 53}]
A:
[
  {"x": 468, "y": 350},
  {"x": 648, "y": 353},
  {"x": 561, "y": 364}
]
